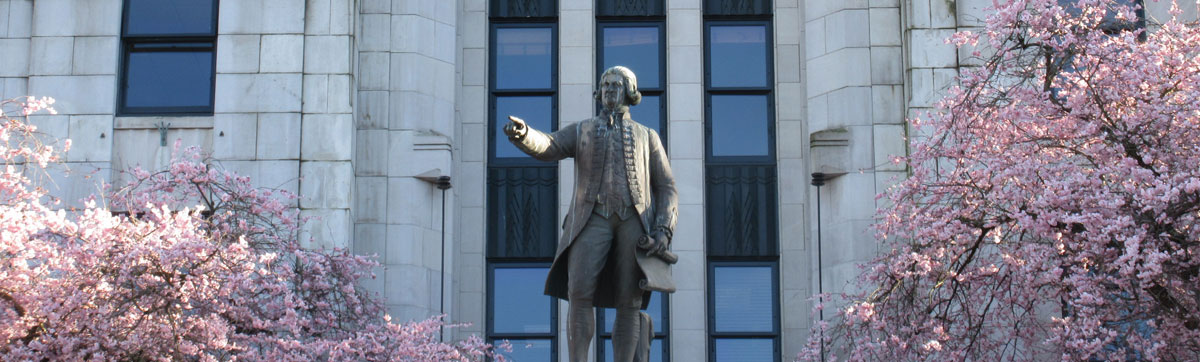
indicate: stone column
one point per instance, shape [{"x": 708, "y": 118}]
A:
[
  {"x": 326, "y": 122},
  {"x": 685, "y": 112},
  {"x": 406, "y": 126},
  {"x": 854, "y": 89},
  {"x": 793, "y": 181},
  {"x": 471, "y": 169}
]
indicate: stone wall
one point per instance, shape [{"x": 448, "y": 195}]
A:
[
  {"x": 405, "y": 124},
  {"x": 855, "y": 69},
  {"x": 472, "y": 73}
]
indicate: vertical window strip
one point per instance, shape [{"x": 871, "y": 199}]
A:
[
  {"x": 522, "y": 192},
  {"x": 741, "y": 204},
  {"x": 639, "y": 43}
]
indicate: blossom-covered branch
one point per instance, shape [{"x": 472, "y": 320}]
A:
[
  {"x": 1053, "y": 210},
  {"x": 197, "y": 265}
]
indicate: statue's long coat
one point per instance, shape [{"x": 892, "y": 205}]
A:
[{"x": 651, "y": 185}]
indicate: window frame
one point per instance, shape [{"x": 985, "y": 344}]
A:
[
  {"x": 768, "y": 91},
  {"x": 494, "y": 93},
  {"x": 129, "y": 42},
  {"x": 489, "y": 331},
  {"x": 765, "y": 258},
  {"x": 659, "y": 23},
  {"x": 495, "y": 23},
  {"x": 660, "y": 91},
  {"x": 713, "y": 334}
]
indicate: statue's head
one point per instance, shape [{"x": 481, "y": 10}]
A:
[{"x": 618, "y": 87}]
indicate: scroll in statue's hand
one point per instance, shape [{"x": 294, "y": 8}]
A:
[
  {"x": 515, "y": 128},
  {"x": 658, "y": 244}
]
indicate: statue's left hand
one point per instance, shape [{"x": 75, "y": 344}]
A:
[{"x": 661, "y": 243}]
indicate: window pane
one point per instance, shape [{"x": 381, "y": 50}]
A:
[
  {"x": 169, "y": 79},
  {"x": 535, "y": 111},
  {"x": 656, "y": 350},
  {"x": 523, "y": 58},
  {"x": 743, "y": 299},
  {"x": 636, "y": 49},
  {"x": 519, "y": 305},
  {"x": 655, "y": 310},
  {"x": 528, "y": 350},
  {"x": 738, "y": 56},
  {"x": 649, "y": 113},
  {"x": 739, "y": 125},
  {"x": 745, "y": 350},
  {"x": 170, "y": 17}
]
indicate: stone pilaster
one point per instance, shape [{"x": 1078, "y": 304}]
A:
[
  {"x": 471, "y": 168},
  {"x": 685, "y": 111},
  {"x": 854, "y": 87},
  {"x": 404, "y": 128}
]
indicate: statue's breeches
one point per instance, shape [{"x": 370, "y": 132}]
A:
[
  {"x": 590, "y": 253},
  {"x": 605, "y": 247}
]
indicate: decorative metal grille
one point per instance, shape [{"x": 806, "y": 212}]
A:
[
  {"x": 629, "y": 8},
  {"x": 522, "y": 221},
  {"x": 524, "y": 8},
  {"x": 742, "y": 220},
  {"x": 737, "y": 7}
]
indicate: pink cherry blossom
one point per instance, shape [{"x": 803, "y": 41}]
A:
[
  {"x": 196, "y": 264},
  {"x": 1053, "y": 210}
]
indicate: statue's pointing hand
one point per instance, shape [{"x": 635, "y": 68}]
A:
[{"x": 515, "y": 128}]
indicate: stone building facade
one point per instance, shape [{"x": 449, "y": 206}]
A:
[{"x": 359, "y": 106}]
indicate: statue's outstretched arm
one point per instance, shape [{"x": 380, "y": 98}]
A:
[{"x": 542, "y": 146}]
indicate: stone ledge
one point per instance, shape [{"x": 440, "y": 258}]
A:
[{"x": 150, "y": 122}]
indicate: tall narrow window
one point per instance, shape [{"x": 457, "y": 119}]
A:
[
  {"x": 631, "y": 33},
  {"x": 522, "y": 193},
  {"x": 168, "y": 57},
  {"x": 741, "y": 196}
]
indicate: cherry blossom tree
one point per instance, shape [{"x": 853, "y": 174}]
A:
[
  {"x": 198, "y": 265},
  {"x": 1053, "y": 206}
]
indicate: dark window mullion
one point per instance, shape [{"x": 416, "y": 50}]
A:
[
  {"x": 523, "y": 92},
  {"x": 171, "y": 37},
  {"x": 735, "y": 91}
]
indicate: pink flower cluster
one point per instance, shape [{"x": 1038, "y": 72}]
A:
[
  {"x": 1054, "y": 209},
  {"x": 197, "y": 265}
]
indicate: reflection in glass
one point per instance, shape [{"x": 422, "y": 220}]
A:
[
  {"x": 739, "y": 125},
  {"x": 649, "y": 114},
  {"x": 170, "y": 17},
  {"x": 743, "y": 299},
  {"x": 636, "y": 49},
  {"x": 169, "y": 79},
  {"x": 519, "y": 305},
  {"x": 527, "y": 350},
  {"x": 655, "y": 310},
  {"x": 523, "y": 58},
  {"x": 534, "y": 110},
  {"x": 656, "y": 350},
  {"x": 745, "y": 350},
  {"x": 738, "y": 56}
]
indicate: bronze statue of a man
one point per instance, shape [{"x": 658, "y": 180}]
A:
[{"x": 613, "y": 250}]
